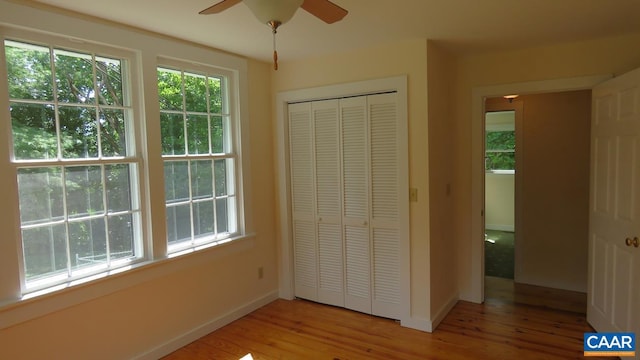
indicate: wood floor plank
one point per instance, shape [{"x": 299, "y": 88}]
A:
[
  {"x": 200, "y": 350},
  {"x": 501, "y": 328},
  {"x": 334, "y": 335}
]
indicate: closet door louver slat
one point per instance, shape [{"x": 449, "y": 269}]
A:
[
  {"x": 345, "y": 198},
  {"x": 386, "y": 274},
  {"x": 326, "y": 142},
  {"x": 384, "y": 157},
  {"x": 357, "y": 269},
  {"x": 354, "y": 159},
  {"x": 385, "y": 205},
  {"x": 302, "y": 188},
  {"x": 306, "y": 263},
  {"x": 330, "y": 289},
  {"x": 355, "y": 187}
]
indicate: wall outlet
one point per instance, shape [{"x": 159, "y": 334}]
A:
[{"x": 260, "y": 272}]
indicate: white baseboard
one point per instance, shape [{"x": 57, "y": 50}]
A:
[
  {"x": 427, "y": 325},
  {"x": 206, "y": 328},
  {"x": 444, "y": 310},
  {"x": 421, "y": 324},
  {"x": 509, "y": 228}
]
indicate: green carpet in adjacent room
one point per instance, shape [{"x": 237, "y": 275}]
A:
[{"x": 499, "y": 254}]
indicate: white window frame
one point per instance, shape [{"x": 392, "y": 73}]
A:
[
  {"x": 15, "y": 305},
  {"x": 131, "y": 92},
  {"x": 231, "y": 137}
]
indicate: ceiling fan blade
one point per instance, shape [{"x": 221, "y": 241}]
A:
[
  {"x": 325, "y": 10},
  {"x": 219, "y": 7}
]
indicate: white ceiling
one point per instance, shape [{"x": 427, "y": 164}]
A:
[{"x": 465, "y": 26}]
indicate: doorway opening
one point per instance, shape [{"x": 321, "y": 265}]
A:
[
  {"x": 545, "y": 151},
  {"x": 500, "y": 171},
  {"x": 476, "y": 290}
]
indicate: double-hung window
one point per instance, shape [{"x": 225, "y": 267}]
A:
[
  {"x": 83, "y": 172},
  {"x": 199, "y": 154},
  {"x": 500, "y": 141},
  {"x": 73, "y": 150}
]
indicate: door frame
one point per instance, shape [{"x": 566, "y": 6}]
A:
[
  {"x": 476, "y": 291},
  {"x": 285, "y": 249}
]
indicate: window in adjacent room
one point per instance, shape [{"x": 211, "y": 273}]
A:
[{"x": 500, "y": 141}]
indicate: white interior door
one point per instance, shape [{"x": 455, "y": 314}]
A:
[
  {"x": 303, "y": 201},
  {"x": 349, "y": 215},
  {"x": 326, "y": 145},
  {"x": 614, "y": 255},
  {"x": 356, "y": 203},
  {"x": 385, "y": 142}
]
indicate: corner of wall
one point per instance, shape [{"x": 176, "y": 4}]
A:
[{"x": 206, "y": 328}]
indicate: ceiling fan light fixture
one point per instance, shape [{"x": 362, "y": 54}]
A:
[
  {"x": 279, "y": 11},
  {"x": 511, "y": 97}
]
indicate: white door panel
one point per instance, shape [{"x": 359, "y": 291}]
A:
[
  {"x": 303, "y": 202},
  {"x": 614, "y": 262},
  {"x": 347, "y": 185},
  {"x": 326, "y": 144}
]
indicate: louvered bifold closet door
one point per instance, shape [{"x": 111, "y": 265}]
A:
[
  {"x": 385, "y": 205},
  {"x": 355, "y": 188},
  {"x": 328, "y": 202},
  {"x": 303, "y": 201}
]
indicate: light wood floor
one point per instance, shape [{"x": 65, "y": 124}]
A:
[
  {"x": 501, "y": 328},
  {"x": 506, "y": 291}
]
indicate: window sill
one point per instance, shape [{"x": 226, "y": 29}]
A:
[
  {"x": 501, "y": 172},
  {"x": 59, "y": 297}
]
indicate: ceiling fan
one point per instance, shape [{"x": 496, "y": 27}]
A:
[{"x": 276, "y": 12}]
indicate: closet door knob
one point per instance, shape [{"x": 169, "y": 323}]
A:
[{"x": 635, "y": 242}]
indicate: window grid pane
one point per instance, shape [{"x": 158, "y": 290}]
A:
[
  {"x": 500, "y": 147},
  {"x": 198, "y": 158},
  {"x": 76, "y": 219},
  {"x": 67, "y": 225},
  {"x": 80, "y": 127}
]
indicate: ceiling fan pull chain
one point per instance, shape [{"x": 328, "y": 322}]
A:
[
  {"x": 274, "y": 26},
  {"x": 275, "y": 52}
]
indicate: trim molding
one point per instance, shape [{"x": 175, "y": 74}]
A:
[
  {"x": 366, "y": 87},
  {"x": 475, "y": 292},
  {"x": 444, "y": 310},
  {"x": 65, "y": 295},
  {"x": 421, "y": 324},
  {"x": 206, "y": 328}
]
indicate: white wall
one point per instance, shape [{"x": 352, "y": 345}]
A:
[
  {"x": 405, "y": 58},
  {"x": 555, "y": 196},
  {"x": 152, "y": 309},
  {"x": 499, "y": 201},
  {"x": 441, "y": 69},
  {"x": 598, "y": 56}
]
